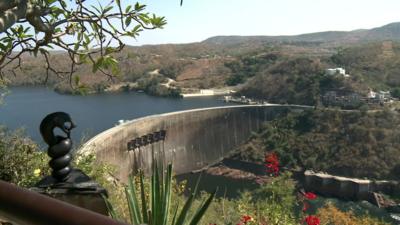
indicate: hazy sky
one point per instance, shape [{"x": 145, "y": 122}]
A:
[{"x": 197, "y": 20}]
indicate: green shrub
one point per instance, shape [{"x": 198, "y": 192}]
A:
[{"x": 21, "y": 160}]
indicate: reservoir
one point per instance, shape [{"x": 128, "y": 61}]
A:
[{"x": 25, "y": 107}]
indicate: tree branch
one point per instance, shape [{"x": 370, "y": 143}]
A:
[
  {"x": 8, "y": 4},
  {"x": 12, "y": 15}
]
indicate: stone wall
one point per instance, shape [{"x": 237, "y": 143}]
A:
[{"x": 347, "y": 188}]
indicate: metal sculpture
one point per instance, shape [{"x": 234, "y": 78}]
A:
[{"x": 59, "y": 146}]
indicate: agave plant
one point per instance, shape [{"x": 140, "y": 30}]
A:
[{"x": 158, "y": 211}]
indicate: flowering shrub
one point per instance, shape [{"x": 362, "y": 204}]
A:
[
  {"x": 312, "y": 220},
  {"x": 245, "y": 219},
  {"x": 272, "y": 166},
  {"x": 310, "y": 195},
  {"x": 272, "y": 163}
]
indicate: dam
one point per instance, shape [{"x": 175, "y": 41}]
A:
[{"x": 194, "y": 139}]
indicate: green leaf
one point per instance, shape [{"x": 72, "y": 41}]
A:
[
  {"x": 156, "y": 193},
  {"x": 87, "y": 39},
  {"x": 57, "y": 30},
  {"x": 185, "y": 210},
  {"x": 133, "y": 203},
  {"x": 80, "y": 35},
  {"x": 110, "y": 208},
  {"x": 107, "y": 9},
  {"x": 128, "y": 21},
  {"x": 3, "y": 47},
  {"x": 167, "y": 194},
  {"x": 137, "y": 28},
  {"x": 77, "y": 80},
  {"x": 139, "y": 7},
  {"x": 96, "y": 9},
  {"x": 144, "y": 18},
  {"x": 76, "y": 46},
  {"x": 97, "y": 64},
  {"x": 83, "y": 58},
  {"x": 143, "y": 197},
  {"x": 128, "y": 8},
  {"x": 175, "y": 213},
  {"x": 49, "y": 2},
  {"x": 202, "y": 210},
  {"x": 188, "y": 204}
]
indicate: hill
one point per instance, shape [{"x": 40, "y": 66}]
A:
[
  {"x": 332, "y": 38},
  {"x": 224, "y": 60}
]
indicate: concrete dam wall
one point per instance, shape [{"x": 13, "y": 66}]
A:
[{"x": 193, "y": 140}]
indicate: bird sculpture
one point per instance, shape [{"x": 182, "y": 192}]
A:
[{"x": 59, "y": 146}]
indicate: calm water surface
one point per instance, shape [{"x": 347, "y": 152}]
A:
[{"x": 27, "y": 106}]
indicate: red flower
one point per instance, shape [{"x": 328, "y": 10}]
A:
[
  {"x": 310, "y": 195},
  {"x": 246, "y": 218},
  {"x": 272, "y": 163},
  {"x": 312, "y": 220}
]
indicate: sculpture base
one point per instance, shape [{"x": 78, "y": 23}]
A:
[{"x": 78, "y": 190}]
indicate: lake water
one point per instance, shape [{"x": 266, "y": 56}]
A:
[{"x": 27, "y": 106}]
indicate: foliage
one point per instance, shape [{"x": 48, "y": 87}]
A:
[
  {"x": 330, "y": 215},
  {"x": 95, "y": 170},
  {"x": 152, "y": 84},
  {"x": 173, "y": 69},
  {"x": 248, "y": 66},
  {"x": 395, "y": 92},
  {"x": 21, "y": 160},
  {"x": 273, "y": 203},
  {"x": 294, "y": 81},
  {"x": 24, "y": 163},
  {"x": 155, "y": 209},
  {"x": 354, "y": 144},
  {"x": 376, "y": 64},
  {"x": 96, "y": 31}
]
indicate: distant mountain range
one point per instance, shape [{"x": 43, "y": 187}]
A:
[
  {"x": 388, "y": 32},
  {"x": 204, "y": 64}
]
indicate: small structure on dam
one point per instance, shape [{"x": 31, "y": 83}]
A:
[{"x": 193, "y": 139}]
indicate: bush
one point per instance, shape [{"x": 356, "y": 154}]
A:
[
  {"x": 331, "y": 215},
  {"x": 22, "y": 162}
]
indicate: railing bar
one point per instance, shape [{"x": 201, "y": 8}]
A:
[{"x": 26, "y": 207}]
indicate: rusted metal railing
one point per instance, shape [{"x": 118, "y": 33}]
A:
[{"x": 25, "y": 207}]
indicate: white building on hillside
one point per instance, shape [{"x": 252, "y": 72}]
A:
[
  {"x": 371, "y": 94},
  {"x": 336, "y": 71},
  {"x": 380, "y": 96}
]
